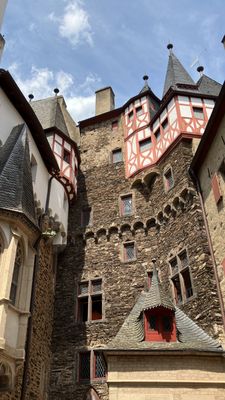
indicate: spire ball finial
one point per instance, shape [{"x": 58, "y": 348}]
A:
[
  {"x": 56, "y": 91},
  {"x": 200, "y": 69},
  {"x": 145, "y": 77},
  {"x": 170, "y": 46},
  {"x": 31, "y": 96}
]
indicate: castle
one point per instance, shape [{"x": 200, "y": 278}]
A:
[{"x": 112, "y": 283}]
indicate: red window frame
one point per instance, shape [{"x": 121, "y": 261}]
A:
[
  {"x": 92, "y": 357},
  {"x": 160, "y": 334}
]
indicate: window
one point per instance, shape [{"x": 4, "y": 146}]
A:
[
  {"x": 145, "y": 144},
  {"x": 198, "y": 112},
  {"x": 86, "y": 215},
  {"x": 139, "y": 111},
  {"x": 16, "y": 273},
  {"x": 157, "y": 135},
  {"x": 90, "y": 300},
  {"x": 66, "y": 156},
  {"x": 181, "y": 277},
  {"x": 117, "y": 156},
  {"x": 114, "y": 125},
  {"x": 131, "y": 115},
  {"x": 126, "y": 206},
  {"x": 165, "y": 124},
  {"x": 92, "y": 366},
  {"x": 160, "y": 325},
  {"x": 168, "y": 179},
  {"x": 129, "y": 251}
]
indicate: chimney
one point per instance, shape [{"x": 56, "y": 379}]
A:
[{"x": 104, "y": 100}]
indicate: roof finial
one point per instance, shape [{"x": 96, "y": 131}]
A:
[
  {"x": 31, "y": 96},
  {"x": 56, "y": 91},
  {"x": 200, "y": 69},
  {"x": 155, "y": 273},
  {"x": 170, "y": 47},
  {"x": 223, "y": 41}
]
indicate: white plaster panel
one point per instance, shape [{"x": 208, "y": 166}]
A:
[
  {"x": 40, "y": 185},
  {"x": 50, "y": 141},
  {"x": 58, "y": 159},
  {"x": 134, "y": 145},
  {"x": 185, "y": 111},
  {"x": 67, "y": 146},
  {"x": 57, "y": 148},
  {"x": 172, "y": 116},
  {"x": 12, "y": 328},
  {"x": 128, "y": 149},
  {"x": 137, "y": 103},
  {"x": 58, "y": 138},
  {"x": 209, "y": 103},
  {"x": 183, "y": 99},
  {"x": 208, "y": 112},
  {"x": 141, "y": 135},
  {"x": 9, "y": 117},
  {"x": 171, "y": 104},
  {"x": 57, "y": 203}
]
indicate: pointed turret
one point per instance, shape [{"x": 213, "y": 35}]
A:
[
  {"x": 16, "y": 190},
  {"x": 176, "y": 73}
]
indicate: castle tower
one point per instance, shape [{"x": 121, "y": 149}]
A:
[{"x": 135, "y": 202}]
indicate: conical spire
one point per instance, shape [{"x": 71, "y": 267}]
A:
[
  {"x": 16, "y": 190},
  {"x": 176, "y": 73},
  {"x": 156, "y": 296}
]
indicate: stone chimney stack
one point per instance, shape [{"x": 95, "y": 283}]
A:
[{"x": 105, "y": 100}]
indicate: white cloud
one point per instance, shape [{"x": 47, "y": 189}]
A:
[
  {"x": 42, "y": 81},
  {"x": 74, "y": 24}
]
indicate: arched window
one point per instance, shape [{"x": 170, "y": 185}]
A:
[
  {"x": 5, "y": 377},
  {"x": 16, "y": 273}
]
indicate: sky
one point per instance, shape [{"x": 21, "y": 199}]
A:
[{"x": 80, "y": 46}]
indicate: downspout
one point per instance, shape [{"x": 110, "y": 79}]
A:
[
  {"x": 32, "y": 301},
  {"x": 196, "y": 181}
]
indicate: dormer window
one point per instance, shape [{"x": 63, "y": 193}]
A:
[{"x": 160, "y": 325}]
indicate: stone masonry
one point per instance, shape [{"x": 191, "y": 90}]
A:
[{"x": 162, "y": 224}]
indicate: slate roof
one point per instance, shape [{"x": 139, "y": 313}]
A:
[
  {"x": 189, "y": 335},
  {"x": 50, "y": 114},
  {"x": 176, "y": 74},
  {"x": 207, "y": 86},
  {"x": 16, "y": 189}
]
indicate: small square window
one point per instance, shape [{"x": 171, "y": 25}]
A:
[
  {"x": 168, "y": 180},
  {"x": 126, "y": 206},
  {"x": 117, "y": 156},
  {"x": 114, "y": 125},
  {"x": 157, "y": 135},
  {"x": 129, "y": 251},
  {"x": 198, "y": 112},
  {"x": 145, "y": 144},
  {"x": 165, "y": 124},
  {"x": 66, "y": 156},
  {"x": 86, "y": 217},
  {"x": 139, "y": 111}
]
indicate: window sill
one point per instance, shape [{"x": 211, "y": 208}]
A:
[{"x": 129, "y": 261}]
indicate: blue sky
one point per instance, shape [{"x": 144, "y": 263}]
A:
[{"x": 81, "y": 46}]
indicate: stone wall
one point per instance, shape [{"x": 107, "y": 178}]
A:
[
  {"x": 214, "y": 163},
  {"x": 40, "y": 350},
  {"x": 162, "y": 224}
]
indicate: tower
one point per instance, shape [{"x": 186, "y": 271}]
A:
[{"x": 135, "y": 202}]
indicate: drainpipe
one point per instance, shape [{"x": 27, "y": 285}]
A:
[
  {"x": 196, "y": 181},
  {"x": 30, "y": 322}
]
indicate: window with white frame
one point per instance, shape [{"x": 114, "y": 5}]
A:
[
  {"x": 17, "y": 270},
  {"x": 181, "y": 277}
]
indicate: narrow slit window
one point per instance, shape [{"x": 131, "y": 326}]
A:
[
  {"x": 126, "y": 206},
  {"x": 129, "y": 251},
  {"x": 84, "y": 367}
]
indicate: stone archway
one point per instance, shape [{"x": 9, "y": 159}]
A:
[{"x": 91, "y": 395}]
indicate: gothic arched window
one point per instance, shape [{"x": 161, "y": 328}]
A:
[{"x": 16, "y": 273}]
